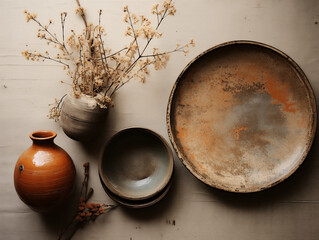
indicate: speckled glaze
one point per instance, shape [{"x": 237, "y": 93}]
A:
[
  {"x": 44, "y": 173},
  {"x": 242, "y": 116},
  {"x": 136, "y": 164},
  {"x": 81, "y": 118}
]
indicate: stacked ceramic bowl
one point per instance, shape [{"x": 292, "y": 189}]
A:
[{"x": 136, "y": 167}]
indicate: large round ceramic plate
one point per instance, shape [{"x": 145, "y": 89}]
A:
[{"x": 242, "y": 116}]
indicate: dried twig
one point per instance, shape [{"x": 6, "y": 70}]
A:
[{"x": 86, "y": 211}]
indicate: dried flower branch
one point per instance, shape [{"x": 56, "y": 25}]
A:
[
  {"x": 54, "y": 112},
  {"x": 86, "y": 212},
  {"x": 95, "y": 70}
]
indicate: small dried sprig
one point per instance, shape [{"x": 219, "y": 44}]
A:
[
  {"x": 86, "y": 212},
  {"x": 55, "y": 110},
  {"x": 96, "y": 70}
]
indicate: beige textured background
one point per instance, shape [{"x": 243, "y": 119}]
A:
[{"x": 287, "y": 211}]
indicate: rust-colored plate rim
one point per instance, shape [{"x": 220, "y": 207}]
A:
[{"x": 312, "y": 100}]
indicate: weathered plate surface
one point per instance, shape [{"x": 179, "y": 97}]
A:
[{"x": 242, "y": 116}]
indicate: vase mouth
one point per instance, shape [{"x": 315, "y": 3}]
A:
[{"x": 42, "y": 135}]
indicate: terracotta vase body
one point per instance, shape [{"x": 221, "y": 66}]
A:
[
  {"x": 81, "y": 118},
  {"x": 44, "y": 173}
]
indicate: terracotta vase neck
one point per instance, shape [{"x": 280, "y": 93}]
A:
[{"x": 43, "y": 137}]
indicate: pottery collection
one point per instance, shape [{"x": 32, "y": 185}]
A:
[
  {"x": 44, "y": 174},
  {"x": 240, "y": 107}
]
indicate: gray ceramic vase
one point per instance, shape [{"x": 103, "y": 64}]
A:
[{"x": 81, "y": 118}]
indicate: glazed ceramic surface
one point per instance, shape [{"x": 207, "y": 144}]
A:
[
  {"x": 136, "y": 164},
  {"x": 81, "y": 118},
  {"x": 242, "y": 116},
  {"x": 44, "y": 174},
  {"x": 138, "y": 203}
]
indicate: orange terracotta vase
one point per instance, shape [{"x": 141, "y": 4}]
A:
[{"x": 44, "y": 174}]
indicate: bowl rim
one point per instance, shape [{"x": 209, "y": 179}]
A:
[
  {"x": 139, "y": 203},
  {"x": 120, "y": 194}
]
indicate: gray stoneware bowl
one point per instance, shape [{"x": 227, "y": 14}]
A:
[{"x": 136, "y": 164}]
